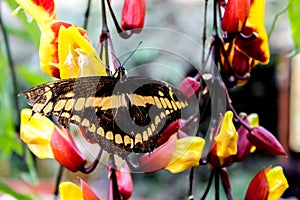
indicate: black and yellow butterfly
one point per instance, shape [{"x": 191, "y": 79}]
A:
[{"x": 120, "y": 113}]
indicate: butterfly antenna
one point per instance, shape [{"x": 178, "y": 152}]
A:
[{"x": 139, "y": 44}]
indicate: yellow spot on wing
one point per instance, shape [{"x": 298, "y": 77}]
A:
[
  {"x": 79, "y": 104},
  {"x": 109, "y": 135},
  {"x": 59, "y": 105},
  {"x": 100, "y": 131}
]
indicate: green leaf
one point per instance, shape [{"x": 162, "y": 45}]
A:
[
  {"x": 294, "y": 16},
  {"x": 8, "y": 190}
]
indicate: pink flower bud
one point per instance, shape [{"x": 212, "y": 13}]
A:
[
  {"x": 124, "y": 183},
  {"x": 265, "y": 141},
  {"x": 65, "y": 151},
  {"x": 160, "y": 157},
  {"x": 189, "y": 86}
]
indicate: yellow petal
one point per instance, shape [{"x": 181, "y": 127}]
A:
[
  {"x": 277, "y": 182},
  {"x": 253, "y": 119},
  {"x": 187, "y": 154},
  {"x": 36, "y": 131},
  {"x": 77, "y": 57},
  {"x": 70, "y": 191},
  {"x": 226, "y": 140}
]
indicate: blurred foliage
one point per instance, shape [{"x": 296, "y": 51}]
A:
[{"x": 294, "y": 16}]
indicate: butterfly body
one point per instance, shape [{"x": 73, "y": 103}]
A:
[{"x": 123, "y": 115}]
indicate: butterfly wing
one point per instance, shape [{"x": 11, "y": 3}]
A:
[{"x": 129, "y": 112}]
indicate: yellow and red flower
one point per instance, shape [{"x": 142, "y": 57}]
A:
[
  {"x": 268, "y": 184},
  {"x": 224, "y": 146},
  {"x": 46, "y": 140},
  {"x": 54, "y": 51},
  {"x": 250, "y": 44}
]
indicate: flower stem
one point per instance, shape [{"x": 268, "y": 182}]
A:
[
  {"x": 191, "y": 178},
  {"x": 211, "y": 177},
  {"x": 204, "y": 31},
  {"x": 94, "y": 164},
  {"x": 217, "y": 185},
  {"x": 87, "y": 14},
  {"x": 57, "y": 181}
]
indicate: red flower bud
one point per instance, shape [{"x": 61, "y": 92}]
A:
[
  {"x": 133, "y": 15},
  {"x": 65, "y": 151},
  {"x": 265, "y": 141},
  {"x": 124, "y": 182},
  {"x": 235, "y": 15},
  {"x": 189, "y": 86}
]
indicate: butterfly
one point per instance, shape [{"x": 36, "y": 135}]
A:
[{"x": 121, "y": 113}]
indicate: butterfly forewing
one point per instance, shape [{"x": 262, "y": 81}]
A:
[{"x": 120, "y": 114}]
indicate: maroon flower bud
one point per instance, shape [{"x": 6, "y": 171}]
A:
[
  {"x": 243, "y": 145},
  {"x": 189, "y": 86},
  {"x": 169, "y": 131},
  {"x": 65, "y": 150},
  {"x": 265, "y": 141},
  {"x": 133, "y": 15}
]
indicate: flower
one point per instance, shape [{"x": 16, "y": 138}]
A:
[
  {"x": 46, "y": 140},
  {"x": 53, "y": 51},
  {"x": 248, "y": 42},
  {"x": 225, "y": 145},
  {"x": 133, "y": 15},
  {"x": 76, "y": 55},
  {"x": 70, "y": 191},
  {"x": 256, "y": 47},
  {"x": 268, "y": 184},
  {"x": 187, "y": 154}
]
